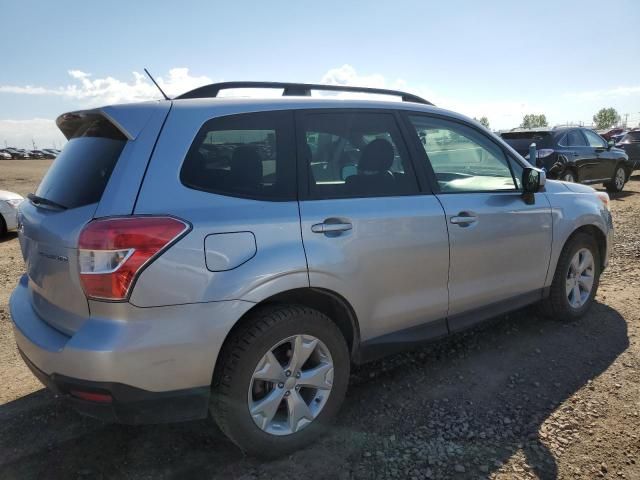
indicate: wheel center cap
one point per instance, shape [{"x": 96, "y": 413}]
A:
[{"x": 290, "y": 383}]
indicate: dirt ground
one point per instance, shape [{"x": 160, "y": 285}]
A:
[{"x": 520, "y": 397}]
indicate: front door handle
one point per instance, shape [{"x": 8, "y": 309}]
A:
[
  {"x": 331, "y": 227},
  {"x": 464, "y": 219}
]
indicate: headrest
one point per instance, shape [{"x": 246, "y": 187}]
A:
[{"x": 376, "y": 157}]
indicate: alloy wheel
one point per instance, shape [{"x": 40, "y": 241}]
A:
[
  {"x": 580, "y": 278},
  {"x": 620, "y": 178},
  {"x": 568, "y": 177},
  {"x": 290, "y": 385}
]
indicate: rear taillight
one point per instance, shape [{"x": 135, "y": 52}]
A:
[
  {"x": 542, "y": 153},
  {"x": 112, "y": 252}
]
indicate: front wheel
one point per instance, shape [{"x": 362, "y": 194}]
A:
[
  {"x": 576, "y": 279},
  {"x": 617, "y": 182},
  {"x": 280, "y": 380}
]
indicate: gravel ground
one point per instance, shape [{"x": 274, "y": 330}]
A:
[{"x": 519, "y": 397}]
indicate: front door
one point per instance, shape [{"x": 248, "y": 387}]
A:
[
  {"x": 369, "y": 233},
  {"x": 605, "y": 159},
  {"x": 500, "y": 245}
]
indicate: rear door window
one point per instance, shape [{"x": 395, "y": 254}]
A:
[
  {"x": 576, "y": 139},
  {"x": 355, "y": 154},
  {"x": 80, "y": 173},
  {"x": 247, "y": 155}
]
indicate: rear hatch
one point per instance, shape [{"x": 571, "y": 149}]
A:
[
  {"x": 52, "y": 218},
  {"x": 521, "y": 140}
]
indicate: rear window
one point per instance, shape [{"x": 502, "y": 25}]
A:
[
  {"x": 80, "y": 173},
  {"x": 248, "y": 155},
  {"x": 520, "y": 141}
]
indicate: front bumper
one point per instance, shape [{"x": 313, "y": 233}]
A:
[{"x": 157, "y": 363}]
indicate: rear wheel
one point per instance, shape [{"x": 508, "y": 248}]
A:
[
  {"x": 576, "y": 279},
  {"x": 619, "y": 179},
  {"x": 280, "y": 380},
  {"x": 3, "y": 227}
]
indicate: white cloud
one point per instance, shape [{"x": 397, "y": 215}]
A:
[
  {"x": 89, "y": 91},
  {"x": 616, "y": 92},
  {"x": 23, "y": 133}
]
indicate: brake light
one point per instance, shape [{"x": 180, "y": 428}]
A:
[
  {"x": 542, "y": 153},
  {"x": 112, "y": 252}
]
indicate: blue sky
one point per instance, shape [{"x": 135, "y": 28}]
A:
[{"x": 502, "y": 59}]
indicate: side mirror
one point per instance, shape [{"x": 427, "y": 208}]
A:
[
  {"x": 533, "y": 179},
  {"x": 611, "y": 144}
]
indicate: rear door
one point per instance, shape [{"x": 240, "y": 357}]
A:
[
  {"x": 581, "y": 155},
  {"x": 500, "y": 245},
  {"x": 369, "y": 233}
]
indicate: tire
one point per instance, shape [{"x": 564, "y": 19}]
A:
[
  {"x": 3, "y": 227},
  {"x": 559, "y": 303},
  {"x": 569, "y": 176},
  {"x": 619, "y": 179},
  {"x": 234, "y": 386}
]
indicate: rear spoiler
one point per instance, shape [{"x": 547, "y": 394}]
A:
[{"x": 128, "y": 119}]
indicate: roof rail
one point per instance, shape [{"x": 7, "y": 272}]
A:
[{"x": 297, "y": 89}]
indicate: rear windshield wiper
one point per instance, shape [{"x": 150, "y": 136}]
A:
[{"x": 40, "y": 201}]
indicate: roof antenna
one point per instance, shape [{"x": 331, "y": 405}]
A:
[{"x": 156, "y": 84}]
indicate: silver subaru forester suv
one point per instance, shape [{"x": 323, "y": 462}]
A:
[{"x": 236, "y": 256}]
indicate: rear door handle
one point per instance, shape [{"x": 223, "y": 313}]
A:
[
  {"x": 331, "y": 227},
  {"x": 463, "y": 219}
]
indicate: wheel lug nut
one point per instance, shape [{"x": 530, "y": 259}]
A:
[
  {"x": 286, "y": 394},
  {"x": 298, "y": 375},
  {"x": 287, "y": 373},
  {"x": 281, "y": 385}
]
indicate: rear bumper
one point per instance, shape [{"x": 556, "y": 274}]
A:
[
  {"x": 157, "y": 363},
  {"x": 128, "y": 404}
]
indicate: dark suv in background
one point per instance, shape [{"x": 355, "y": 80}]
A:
[
  {"x": 573, "y": 154},
  {"x": 630, "y": 143}
]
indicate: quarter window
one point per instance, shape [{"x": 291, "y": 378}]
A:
[
  {"x": 353, "y": 154},
  {"x": 247, "y": 155},
  {"x": 462, "y": 159}
]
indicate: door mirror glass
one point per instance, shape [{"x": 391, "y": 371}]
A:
[
  {"x": 611, "y": 143},
  {"x": 532, "y": 180}
]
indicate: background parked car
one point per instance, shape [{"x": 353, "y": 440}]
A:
[
  {"x": 38, "y": 154},
  {"x": 609, "y": 133},
  {"x": 574, "y": 154},
  {"x": 17, "y": 153},
  {"x": 5, "y": 155},
  {"x": 9, "y": 202},
  {"x": 50, "y": 152},
  {"x": 630, "y": 143}
]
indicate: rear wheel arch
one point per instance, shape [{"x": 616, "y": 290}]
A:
[{"x": 327, "y": 302}]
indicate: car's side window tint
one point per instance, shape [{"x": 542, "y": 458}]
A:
[
  {"x": 463, "y": 159},
  {"x": 594, "y": 139},
  {"x": 355, "y": 154},
  {"x": 575, "y": 139},
  {"x": 247, "y": 155}
]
